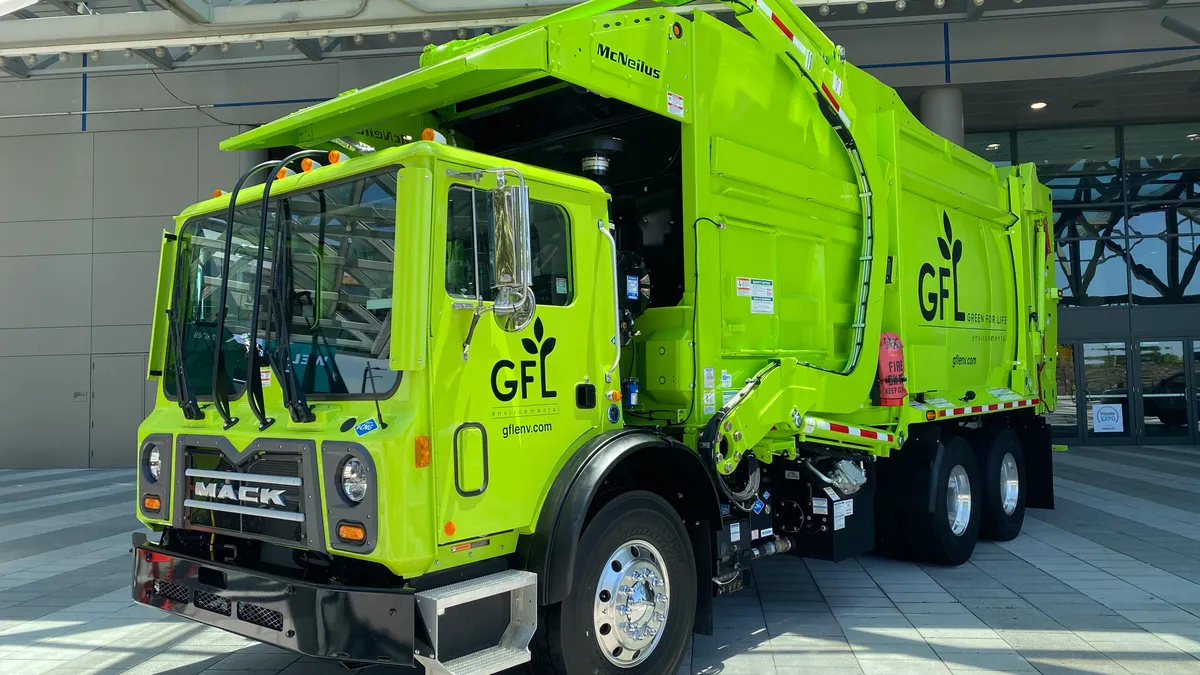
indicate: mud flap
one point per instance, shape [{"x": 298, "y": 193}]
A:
[{"x": 1038, "y": 447}]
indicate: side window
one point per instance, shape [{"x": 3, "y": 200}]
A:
[{"x": 469, "y": 248}]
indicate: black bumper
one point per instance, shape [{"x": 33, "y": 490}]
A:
[{"x": 343, "y": 623}]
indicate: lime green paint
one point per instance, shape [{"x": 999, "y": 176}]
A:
[
  {"x": 770, "y": 193},
  {"x": 162, "y": 300}
]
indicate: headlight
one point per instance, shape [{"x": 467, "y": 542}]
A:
[
  {"x": 153, "y": 464},
  {"x": 354, "y": 480}
]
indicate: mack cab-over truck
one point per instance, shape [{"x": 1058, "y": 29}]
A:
[{"x": 529, "y": 354}]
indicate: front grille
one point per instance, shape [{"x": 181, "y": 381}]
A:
[
  {"x": 259, "y": 527},
  {"x": 260, "y": 616},
  {"x": 213, "y": 603},
  {"x": 171, "y": 591}
]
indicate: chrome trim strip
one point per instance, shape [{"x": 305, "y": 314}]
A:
[
  {"x": 244, "y": 510},
  {"x": 252, "y": 477}
]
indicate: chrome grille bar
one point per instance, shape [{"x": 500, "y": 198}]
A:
[
  {"x": 251, "y": 477},
  {"x": 244, "y": 510}
]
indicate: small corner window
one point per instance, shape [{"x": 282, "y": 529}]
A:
[{"x": 469, "y": 248}]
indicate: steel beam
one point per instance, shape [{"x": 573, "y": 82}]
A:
[
  {"x": 71, "y": 8},
  {"x": 192, "y": 11},
  {"x": 13, "y": 65},
  {"x": 1156, "y": 4},
  {"x": 974, "y": 11},
  {"x": 166, "y": 62},
  {"x": 308, "y": 48}
]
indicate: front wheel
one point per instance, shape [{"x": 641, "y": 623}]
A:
[{"x": 633, "y": 603}]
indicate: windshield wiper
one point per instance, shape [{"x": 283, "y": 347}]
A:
[
  {"x": 280, "y": 314},
  {"x": 178, "y": 341},
  {"x": 253, "y": 381},
  {"x": 220, "y": 374}
]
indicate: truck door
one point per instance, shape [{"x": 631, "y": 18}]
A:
[{"x": 504, "y": 416}]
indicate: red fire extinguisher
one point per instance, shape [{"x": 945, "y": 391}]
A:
[{"x": 891, "y": 370}]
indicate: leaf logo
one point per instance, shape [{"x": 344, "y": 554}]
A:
[{"x": 532, "y": 347}]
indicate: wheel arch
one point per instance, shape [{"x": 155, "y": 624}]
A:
[{"x": 591, "y": 476}]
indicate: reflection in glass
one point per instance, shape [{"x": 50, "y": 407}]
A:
[
  {"x": 1064, "y": 421},
  {"x": 1195, "y": 389},
  {"x": 1097, "y": 271},
  {"x": 1063, "y": 278},
  {"x": 1055, "y": 151},
  {"x": 1085, "y": 189},
  {"x": 1167, "y": 219},
  {"x": 1106, "y": 390},
  {"x": 1164, "y": 389},
  {"x": 995, "y": 147},
  {"x": 1164, "y": 270},
  {"x": 1071, "y": 223},
  {"x": 1150, "y": 146}
]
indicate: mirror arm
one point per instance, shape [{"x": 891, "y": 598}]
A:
[{"x": 616, "y": 302}]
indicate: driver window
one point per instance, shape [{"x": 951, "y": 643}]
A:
[{"x": 469, "y": 247}]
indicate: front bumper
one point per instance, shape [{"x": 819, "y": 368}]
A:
[{"x": 334, "y": 622}]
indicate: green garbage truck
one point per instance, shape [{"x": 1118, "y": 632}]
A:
[{"x": 528, "y": 354}]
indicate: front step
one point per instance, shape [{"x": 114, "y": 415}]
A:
[{"x": 511, "y": 626}]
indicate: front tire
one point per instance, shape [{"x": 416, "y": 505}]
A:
[
  {"x": 947, "y": 535},
  {"x": 633, "y": 603}
]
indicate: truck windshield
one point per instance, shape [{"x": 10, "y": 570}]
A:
[{"x": 342, "y": 248}]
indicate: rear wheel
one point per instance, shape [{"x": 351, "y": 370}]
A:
[
  {"x": 633, "y": 602},
  {"x": 948, "y": 534},
  {"x": 1002, "y": 487}
]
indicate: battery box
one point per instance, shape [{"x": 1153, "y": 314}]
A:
[{"x": 823, "y": 523}]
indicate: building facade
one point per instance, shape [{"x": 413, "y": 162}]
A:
[{"x": 1126, "y": 204}]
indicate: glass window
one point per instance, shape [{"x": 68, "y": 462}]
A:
[
  {"x": 1102, "y": 277},
  {"x": 1085, "y": 189},
  {"x": 995, "y": 147},
  {"x": 469, "y": 247},
  {"x": 1071, "y": 223},
  {"x": 1060, "y": 151},
  {"x": 1164, "y": 269},
  {"x": 334, "y": 281},
  {"x": 1064, "y": 277},
  {"x": 1162, "y": 146},
  {"x": 1164, "y": 220}
]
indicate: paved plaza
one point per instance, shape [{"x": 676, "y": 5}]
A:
[{"x": 1107, "y": 583}]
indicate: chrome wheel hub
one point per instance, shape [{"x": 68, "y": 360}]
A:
[
  {"x": 1010, "y": 483},
  {"x": 958, "y": 500},
  {"x": 631, "y": 603}
]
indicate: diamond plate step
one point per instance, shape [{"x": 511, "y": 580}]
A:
[
  {"x": 488, "y": 661},
  {"x": 477, "y": 589}
]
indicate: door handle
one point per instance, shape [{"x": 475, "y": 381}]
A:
[{"x": 457, "y": 472}]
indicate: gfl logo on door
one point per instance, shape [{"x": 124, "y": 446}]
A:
[
  {"x": 509, "y": 379},
  {"x": 932, "y": 283}
]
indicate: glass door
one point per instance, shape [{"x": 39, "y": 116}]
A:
[
  {"x": 1106, "y": 392},
  {"x": 1064, "y": 421},
  {"x": 1163, "y": 393}
]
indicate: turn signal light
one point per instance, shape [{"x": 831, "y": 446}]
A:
[
  {"x": 433, "y": 135},
  {"x": 352, "y": 532},
  {"x": 218, "y": 192},
  {"x": 930, "y": 415},
  {"x": 422, "y": 455},
  {"x": 151, "y": 503},
  {"x": 307, "y": 164},
  {"x": 284, "y": 173},
  {"x": 336, "y": 157}
]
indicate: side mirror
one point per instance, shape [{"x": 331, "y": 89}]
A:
[{"x": 515, "y": 305}]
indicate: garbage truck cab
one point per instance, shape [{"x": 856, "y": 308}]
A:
[{"x": 528, "y": 354}]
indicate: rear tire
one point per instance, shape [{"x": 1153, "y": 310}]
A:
[
  {"x": 638, "y": 533},
  {"x": 947, "y": 535},
  {"x": 1002, "y": 485}
]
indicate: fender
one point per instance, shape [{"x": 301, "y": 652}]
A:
[{"x": 550, "y": 550}]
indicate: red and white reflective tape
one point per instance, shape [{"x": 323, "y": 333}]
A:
[
  {"x": 808, "y": 60},
  {"x": 811, "y": 424},
  {"x": 990, "y": 407}
]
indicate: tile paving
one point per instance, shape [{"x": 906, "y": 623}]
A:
[{"x": 1109, "y": 582}]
